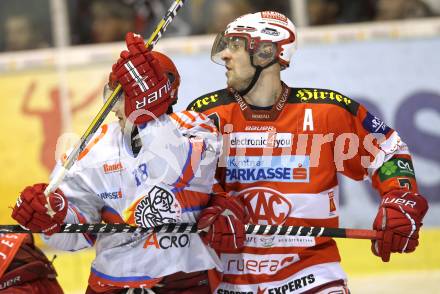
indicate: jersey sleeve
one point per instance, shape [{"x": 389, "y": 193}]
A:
[
  {"x": 212, "y": 106},
  {"x": 184, "y": 151},
  {"x": 84, "y": 207},
  {"x": 380, "y": 156}
]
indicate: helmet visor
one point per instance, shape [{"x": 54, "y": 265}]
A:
[{"x": 222, "y": 43}]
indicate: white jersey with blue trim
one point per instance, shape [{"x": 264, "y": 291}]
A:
[{"x": 168, "y": 181}]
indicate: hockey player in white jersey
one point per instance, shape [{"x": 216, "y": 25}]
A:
[{"x": 154, "y": 167}]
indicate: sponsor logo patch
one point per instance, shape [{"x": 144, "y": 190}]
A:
[
  {"x": 199, "y": 103},
  {"x": 110, "y": 195},
  {"x": 251, "y": 169},
  {"x": 316, "y": 95},
  {"x": 259, "y": 128},
  {"x": 274, "y": 15},
  {"x": 396, "y": 167},
  {"x": 246, "y": 263},
  {"x": 260, "y": 140},
  {"x": 327, "y": 96},
  {"x": 266, "y": 206},
  {"x": 271, "y": 32},
  {"x": 12, "y": 281},
  {"x": 112, "y": 167},
  {"x": 245, "y": 29},
  {"x": 167, "y": 241},
  {"x": 157, "y": 208},
  {"x": 279, "y": 241},
  {"x": 224, "y": 291},
  {"x": 153, "y": 97},
  {"x": 294, "y": 285},
  {"x": 373, "y": 124}
]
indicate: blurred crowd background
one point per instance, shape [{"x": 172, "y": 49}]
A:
[{"x": 27, "y": 24}]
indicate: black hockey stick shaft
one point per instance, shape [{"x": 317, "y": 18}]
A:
[{"x": 192, "y": 228}]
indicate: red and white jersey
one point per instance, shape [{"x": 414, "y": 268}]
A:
[
  {"x": 283, "y": 162},
  {"x": 168, "y": 181}
]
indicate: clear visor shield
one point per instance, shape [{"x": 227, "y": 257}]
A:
[
  {"x": 223, "y": 43},
  {"x": 107, "y": 92}
]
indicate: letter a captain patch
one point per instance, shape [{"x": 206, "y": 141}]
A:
[{"x": 308, "y": 120}]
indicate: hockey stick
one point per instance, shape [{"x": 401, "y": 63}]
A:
[
  {"x": 267, "y": 230},
  {"x": 106, "y": 108}
]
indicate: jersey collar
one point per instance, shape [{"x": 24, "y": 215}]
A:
[{"x": 263, "y": 115}]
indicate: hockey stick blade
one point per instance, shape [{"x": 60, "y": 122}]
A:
[
  {"x": 60, "y": 173},
  {"x": 192, "y": 228}
]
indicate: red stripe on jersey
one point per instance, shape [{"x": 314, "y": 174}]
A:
[
  {"x": 103, "y": 283},
  {"x": 188, "y": 114},
  {"x": 180, "y": 121},
  {"x": 192, "y": 164},
  {"x": 111, "y": 216},
  {"x": 202, "y": 115},
  {"x": 209, "y": 128}
]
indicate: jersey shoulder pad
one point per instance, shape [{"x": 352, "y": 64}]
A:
[
  {"x": 323, "y": 96},
  {"x": 189, "y": 119},
  {"x": 210, "y": 100}
]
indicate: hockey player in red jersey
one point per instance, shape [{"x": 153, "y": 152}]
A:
[
  {"x": 283, "y": 149},
  {"x": 24, "y": 268},
  {"x": 152, "y": 168}
]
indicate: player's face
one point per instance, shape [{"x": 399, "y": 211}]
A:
[
  {"x": 118, "y": 108},
  {"x": 239, "y": 70}
]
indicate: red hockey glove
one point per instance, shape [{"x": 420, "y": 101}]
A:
[
  {"x": 224, "y": 221},
  {"x": 143, "y": 80},
  {"x": 398, "y": 221},
  {"x": 31, "y": 212}
]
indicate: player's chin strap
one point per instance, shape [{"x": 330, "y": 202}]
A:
[{"x": 258, "y": 70}]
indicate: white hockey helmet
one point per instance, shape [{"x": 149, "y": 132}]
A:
[{"x": 259, "y": 30}]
